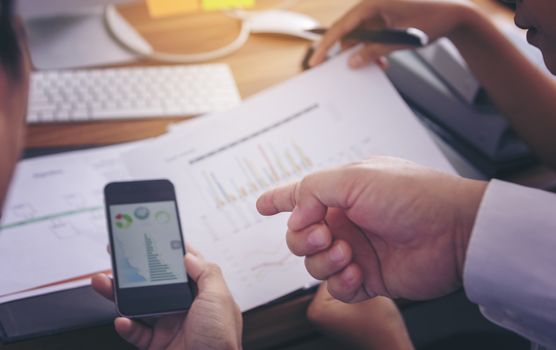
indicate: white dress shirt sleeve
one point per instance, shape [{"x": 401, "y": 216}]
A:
[{"x": 510, "y": 268}]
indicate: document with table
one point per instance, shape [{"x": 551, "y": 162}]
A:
[{"x": 53, "y": 229}]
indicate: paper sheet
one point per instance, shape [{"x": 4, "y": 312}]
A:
[
  {"x": 53, "y": 226},
  {"x": 326, "y": 117},
  {"x": 54, "y": 229}
]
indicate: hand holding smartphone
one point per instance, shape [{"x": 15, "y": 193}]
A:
[{"x": 148, "y": 249}]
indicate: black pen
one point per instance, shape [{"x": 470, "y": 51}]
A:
[{"x": 406, "y": 36}]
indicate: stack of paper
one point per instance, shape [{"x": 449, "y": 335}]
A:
[{"x": 219, "y": 165}]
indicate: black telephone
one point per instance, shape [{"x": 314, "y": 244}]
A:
[{"x": 437, "y": 83}]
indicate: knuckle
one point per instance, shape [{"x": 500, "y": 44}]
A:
[
  {"x": 272, "y": 198},
  {"x": 294, "y": 194},
  {"x": 293, "y": 244},
  {"x": 335, "y": 31},
  {"x": 338, "y": 293},
  {"x": 214, "y": 269},
  {"x": 343, "y": 298},
  {"x": 304, "y": 183},
  {"x": 314, "y": 270}
]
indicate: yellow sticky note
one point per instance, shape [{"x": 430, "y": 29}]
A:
[
  {"x": 163, "y": 8},
  {"x": 212, "y": 5}
]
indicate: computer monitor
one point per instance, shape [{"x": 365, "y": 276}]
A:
[{"x": 71, "y": 33}]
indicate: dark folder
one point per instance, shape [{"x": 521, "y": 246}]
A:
[{"x": 53, "y": 313}]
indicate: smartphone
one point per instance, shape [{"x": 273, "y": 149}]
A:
[{"x": 147, "y": 248}]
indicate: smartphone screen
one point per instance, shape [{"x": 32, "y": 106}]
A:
[
  {"x": 147, "y": 244},
  {"x": 147, "y": 248}
]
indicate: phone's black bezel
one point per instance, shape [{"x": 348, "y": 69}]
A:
[{"x": 152, "y": 300}]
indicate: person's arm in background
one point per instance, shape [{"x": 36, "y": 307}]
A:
[
  {"x": 520, "y": 90},
  {"x": 375, "y": 324}
]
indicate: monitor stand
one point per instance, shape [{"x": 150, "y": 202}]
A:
[{"x": 82, "y": 40}]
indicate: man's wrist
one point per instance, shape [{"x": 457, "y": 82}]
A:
[{"x": 470, "y": 196}]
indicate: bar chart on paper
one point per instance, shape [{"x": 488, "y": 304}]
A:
[
  {"x": 233, "y": 175},
  {"x": 292, "y": 162},
  {"x": 327, "y": 117},
  {"x": 225, "y": 179},
  {"x": 249, "y": 176}
]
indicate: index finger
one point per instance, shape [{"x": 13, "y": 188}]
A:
[
  {"x": 351, "y": 20},
  {"x": 277, "y": 200},
  {"x": 310, "y": 198}
]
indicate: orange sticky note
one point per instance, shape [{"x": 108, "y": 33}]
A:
[
  {"x": 164, "y": 8},
  {"x": 214, "y": 5}
]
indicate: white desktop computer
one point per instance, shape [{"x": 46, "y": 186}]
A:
[
  {"x": 73, "y": 33},
  {"x": 87, "y": 33},
  {"x": 81, "y": 33}
]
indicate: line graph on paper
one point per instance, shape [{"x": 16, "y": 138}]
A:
[
  {"x": 58, "y": 188},
  {"x": 262, "y": 269},
  {"x": 66, "y": 208},
  {"x": 255, "y": 266},
  {"x": 54, "y": 215}
]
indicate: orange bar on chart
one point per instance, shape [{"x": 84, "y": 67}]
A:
[{"x": 165, "y": 8}]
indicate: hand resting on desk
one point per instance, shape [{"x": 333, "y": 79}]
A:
[
  {"x": 213, "y": 322},
  {"x": 373, "y": 324}
]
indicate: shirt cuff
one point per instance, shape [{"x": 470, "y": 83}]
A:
[{"x": 511, "y": 260}]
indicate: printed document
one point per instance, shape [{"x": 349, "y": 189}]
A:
[
  {"x": 53, "y": 225},
  {"x": 327, "y": 117},
  {"x": 54, "y": 230}
]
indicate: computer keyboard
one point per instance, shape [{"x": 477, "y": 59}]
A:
[{"x": 130, "y": 93}]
